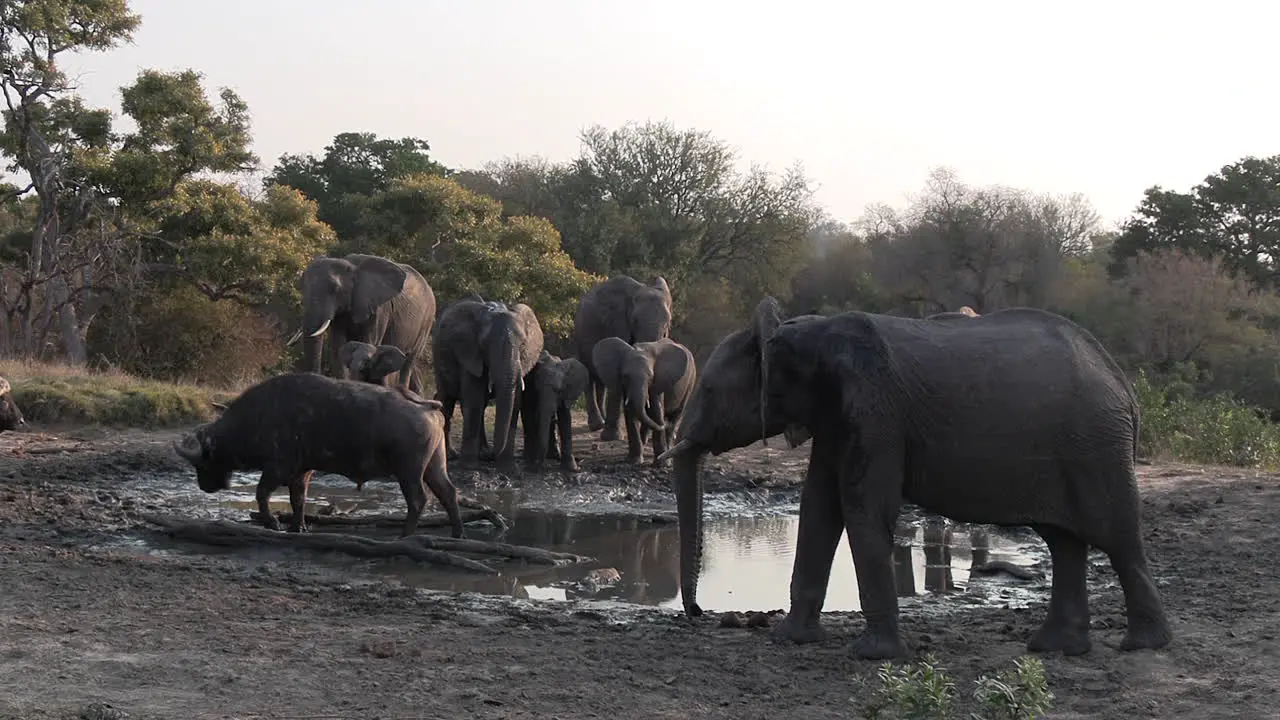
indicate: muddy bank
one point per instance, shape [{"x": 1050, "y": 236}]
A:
[{"x": 211, "y": 634}]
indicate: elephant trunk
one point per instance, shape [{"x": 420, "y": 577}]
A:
[
  {"x": 315, "y": 321},
  {"x": 637, "y": 401},
  {"x": 504, "y": 379},
  {"x": 688, "y": 487}
]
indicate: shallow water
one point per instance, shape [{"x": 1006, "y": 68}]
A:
[{"x": 746, "y": 565}]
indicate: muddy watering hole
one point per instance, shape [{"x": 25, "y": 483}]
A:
[{"x": 747, "y": 555}]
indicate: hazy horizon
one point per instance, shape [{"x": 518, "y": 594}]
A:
[{"x": 868, "y": 99}]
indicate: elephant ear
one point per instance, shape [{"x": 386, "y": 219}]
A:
[
  {"x": 576, "y": 379},
  {"x": 388, "y": 359},
  {"x": 767, "y": 318},
  {"x": 377, "y": 282}
]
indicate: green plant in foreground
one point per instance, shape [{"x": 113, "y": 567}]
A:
[{"x": 922, "y": 691}]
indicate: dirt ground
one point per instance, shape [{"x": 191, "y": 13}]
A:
[{"x": 90, "y": 633}]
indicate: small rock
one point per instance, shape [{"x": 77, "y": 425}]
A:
[{"x": 731, "y": 620}]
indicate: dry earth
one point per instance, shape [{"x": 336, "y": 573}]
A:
[{"x": 93, "y": 633}]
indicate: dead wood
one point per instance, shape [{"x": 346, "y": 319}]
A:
[
  {"x": 426, "y": 520},
  {"x": 483, "y": 547},
  {"x": 225, "y": 533}
]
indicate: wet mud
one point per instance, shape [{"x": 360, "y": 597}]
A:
[{"x": 98, "y": 608}]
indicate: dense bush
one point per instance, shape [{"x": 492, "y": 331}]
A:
[
  {"x": 1214, "y": 429},
  {"x": 180, "y": 335}
]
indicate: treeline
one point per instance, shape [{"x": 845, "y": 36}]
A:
[{"x": 166, "y": 251}]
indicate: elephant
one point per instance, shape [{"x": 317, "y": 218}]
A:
[
  {"x": 549, "y": 394},
  {"x": 653, "y": 380},
  {"x": 369, "y": 299},
  {"x": 484, "y": 350},
  {"x": 10, "y": 415},
  {"x": 371, "y": 364},
  {"x": 618, "y": 307},
  {"x": 1016, "y": 418}
]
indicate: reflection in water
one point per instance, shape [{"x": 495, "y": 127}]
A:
[{"x": 746, "y": 561}]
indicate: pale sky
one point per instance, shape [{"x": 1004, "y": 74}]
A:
[{"x": 1100, "y": 98}]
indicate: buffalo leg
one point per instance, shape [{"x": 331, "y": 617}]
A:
[
  {"x": 298, "y": 485},
  {"x": 267, "y": 484},
  {"x": 437, "y": 478}
]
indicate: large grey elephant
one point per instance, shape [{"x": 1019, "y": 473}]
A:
[
  {"x": 653, "y": 382},
  {"x": 484, "y": 350},
  {"x": 369, "y": 299},
  {"x": 380, "y": 364},
  {"x": 547, "y": 410},
  {"x": 618, "y": 307},
  {"x": 1017, "y": 417}
]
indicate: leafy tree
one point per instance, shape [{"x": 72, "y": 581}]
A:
[
  {"x": 40, "y": 119},
  {"x": 355, "y": 166},
  {"x": 1233, "y": 214}
]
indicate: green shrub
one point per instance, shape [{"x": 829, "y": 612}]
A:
[
  {"x": 922, "y": 691},
  {"x": 1217, "y": 429},
  {"x": 55, "y": 395}
]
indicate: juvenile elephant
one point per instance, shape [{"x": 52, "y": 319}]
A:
[
  {"x": 653, "y": 381},
  {"x": 369, "y": 299},
  {"x": 618, "y": 307},
  {"x": 549, "y": 394},
  {"x": 483, "y": 350},
  {"x": 379, "y": 365},
  {"x": 1017, "y": 417}
]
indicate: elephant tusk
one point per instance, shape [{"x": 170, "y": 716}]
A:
[
  {"x": 323, "y": 327},
  {"x": 680, "y": 447},
  {"x": 294, "y": 338}
]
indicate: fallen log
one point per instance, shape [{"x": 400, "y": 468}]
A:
[
  {"x": 426, "y": 520},
  {"x": 482, "y": 547},
  {"x": 225, "y": 533}
]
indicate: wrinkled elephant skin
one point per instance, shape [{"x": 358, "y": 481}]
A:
[
  {"x": 625, "y": 308},
  {"x": 1016, "y": 418}
]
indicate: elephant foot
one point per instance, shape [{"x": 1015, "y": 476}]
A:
[
  {"x": 1056, "y": 636},
  {"x": 878, "y": 644},
  {"x": 594, "y": 424},
  {"x": 660, "y": 463},
  {"x": 486, "y": 455},
  {"x": 635, "y": 459},
  {"x": 270, "y": 522},
  {"x": 798, "y": 632},
  {"x": 609, "y": 434},
  {"x": 298, "y": 528},
  {"x": 571, "y": 466},
  {"x": 1146, "y": 634}
]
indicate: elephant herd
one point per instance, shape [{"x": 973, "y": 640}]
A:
[
  {"x": 380, "y": 319},
  {"x": 1017, "y": 417}
]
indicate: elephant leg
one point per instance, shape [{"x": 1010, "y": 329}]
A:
[
  {"x": 412, "y": 477},
  {"x": 871, "y": 495},
  {"x": 449, "y": 403},
  {"x": 821, "y": 522},
  {"x": 612, "y": 413},
  {"x": 1120, "y": 537},
  {"x": 1066, "y": 627},
  {"x": 564, "y": 418},
  {"x": 437, "y": 479},
  {"x": 473, "y": 403},
  {"x": 553, "y": 448},
  {"x": 298, "y": 485},
  {"x": 595, "y": 398},
  {"x": 337, "y": 337}
]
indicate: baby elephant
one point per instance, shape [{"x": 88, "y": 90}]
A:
[
  {"x": 653, "y": 381},
  {"x": 10, "y": 416},
  {"x": 550, "y": 390},
  {"x": 380, "y": 365}
]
